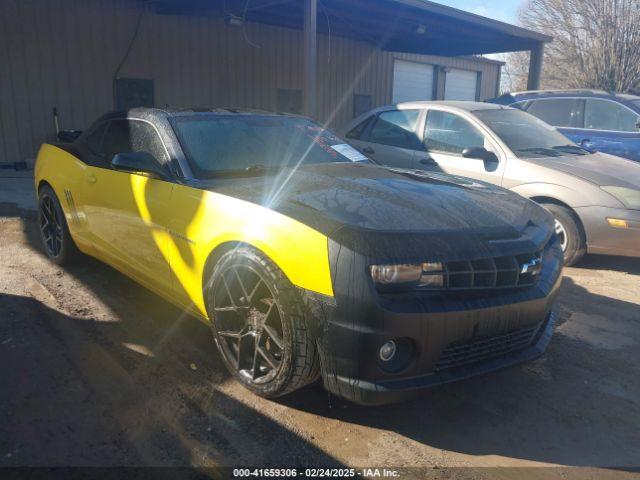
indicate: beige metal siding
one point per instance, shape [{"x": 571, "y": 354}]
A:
[{"x": 63, "y": 53}]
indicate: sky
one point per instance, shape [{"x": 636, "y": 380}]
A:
[{"x": 503, "y": 10}]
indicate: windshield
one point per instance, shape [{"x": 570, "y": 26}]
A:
[
  {"x": 526, "y": 135},
  {"x": 216, "y": 144}
]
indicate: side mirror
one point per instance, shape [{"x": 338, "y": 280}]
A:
[
  {"x": 138, "y": 162},
  {"x": 480, "y": 153}
]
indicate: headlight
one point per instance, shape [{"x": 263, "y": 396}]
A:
[
  {"x": 427, "y": 275},
  {"x": 627, "y": 196}
]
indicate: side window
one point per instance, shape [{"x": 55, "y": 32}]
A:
[
  {"x": 557, "y": 112},
  {"x": 396, "y": 128},
  {"x": 356, "y": 132},
  {"x": 607, "y": 115},
  {"x": 449, "y": 133},
  {"x": 521, "y": 105},
  {"x": 132, "y": 136},
  {"x": 116, "y": 140},
  {"x": 94, "y": 139}
]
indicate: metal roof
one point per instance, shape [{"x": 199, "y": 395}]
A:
[{"x": 412, "y": 26}]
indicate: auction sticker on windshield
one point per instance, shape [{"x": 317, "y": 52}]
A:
[{"x": 350, "y": 152}]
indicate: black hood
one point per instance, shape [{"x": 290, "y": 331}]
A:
[{"x": 340, "y": 199}]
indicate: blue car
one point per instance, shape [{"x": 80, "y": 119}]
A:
[{"x": 594, "y": 119}]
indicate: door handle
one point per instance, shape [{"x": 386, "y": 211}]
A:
[
  {"x": 91, "y": 178},
  {"x": 368, "y": 150},
  {"x": 586, "y": 143},
  {"x": 428, "y": 161}
]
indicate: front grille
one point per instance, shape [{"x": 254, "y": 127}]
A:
[
  {"x": 464, "y": 353},
  {"x": 489, "y": 273}
]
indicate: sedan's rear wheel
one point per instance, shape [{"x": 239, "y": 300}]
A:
[
  {"x": 259, "y": 325},
  {"x": 569, "y": 233}
]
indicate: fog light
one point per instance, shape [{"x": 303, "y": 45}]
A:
[{"x": 388, "y": 351}]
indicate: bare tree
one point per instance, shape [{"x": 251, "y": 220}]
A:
[
  {"x": 596, "y": 43},
  {"x": 515, "y": 72}
]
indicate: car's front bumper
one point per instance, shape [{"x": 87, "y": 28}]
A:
[
  {"x": 390, "y": 391},
  {"x": 605, "y": 239},
  {"x": 481, "y": 332}
]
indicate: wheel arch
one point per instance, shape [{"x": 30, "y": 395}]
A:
[
  {"x": 212, "y": 259},
  {"x": 43, "y": 183},
  {"x": 541, "y": 199},
  {"x": 305, "y": 265},
  {"x": 545, "y": 199}
]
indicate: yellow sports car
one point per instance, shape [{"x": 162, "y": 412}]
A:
[{"x": 306, "y": 258}]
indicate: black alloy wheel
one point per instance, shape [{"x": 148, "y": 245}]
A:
[
  {"x": 259, "y": 324},
  {"x": 50, "y": 226},
  {"x": 54, "y": 231},
  {"x": 249, "y": 324}
]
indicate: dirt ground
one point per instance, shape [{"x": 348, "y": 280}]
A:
[{"x": 98, "y": 371}]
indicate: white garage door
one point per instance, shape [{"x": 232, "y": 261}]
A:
[
  {"x": 460, "y": 85},
  {"x": 412, "y": 81}
]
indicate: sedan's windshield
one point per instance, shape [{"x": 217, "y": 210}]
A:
[
  {"x": 218, "y": 144},
  {"x": 526, "y": 135}
]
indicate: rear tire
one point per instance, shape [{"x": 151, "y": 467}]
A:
[
  {"x": 259, "y": 325},
  {"x": 54, "y": 231},
  {"x": 569, "y": 232}
]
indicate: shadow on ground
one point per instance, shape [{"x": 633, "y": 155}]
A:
[
  {"x": 136, "y": 386},
  {"x": 616, "y": 264},
  {"x": 13, "y": 210}
]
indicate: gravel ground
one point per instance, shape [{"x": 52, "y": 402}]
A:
[{"x": 98, "y": 371}]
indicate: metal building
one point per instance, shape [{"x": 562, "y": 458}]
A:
[{"x": 330, "y": 59}]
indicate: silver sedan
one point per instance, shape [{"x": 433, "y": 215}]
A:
[{"x": 594, "y": 197}]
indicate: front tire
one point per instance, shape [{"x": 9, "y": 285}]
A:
[
  {"x": 54, "y": 231},
  {"x": 569, "y": 233},
  {"x": 259, "y": 325}
]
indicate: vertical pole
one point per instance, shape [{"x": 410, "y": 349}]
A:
[
  {"x": 535, "y": 67},
  {"x": 310, "y": 58},
  {"x": 441, "y": 87}
]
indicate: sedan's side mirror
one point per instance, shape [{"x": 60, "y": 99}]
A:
[
  {"x": 138, "y": 162},
  {"x": 480, "y": 153}
]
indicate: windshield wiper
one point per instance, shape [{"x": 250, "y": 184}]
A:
[
  {"x": 544, "y": 151},
  {"x": 571, "y": 149}
]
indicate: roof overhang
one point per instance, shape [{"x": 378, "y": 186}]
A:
[{"x": 411, "y": 26}]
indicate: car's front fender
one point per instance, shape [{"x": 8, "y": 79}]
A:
[{"x": 203, "y": 220}]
